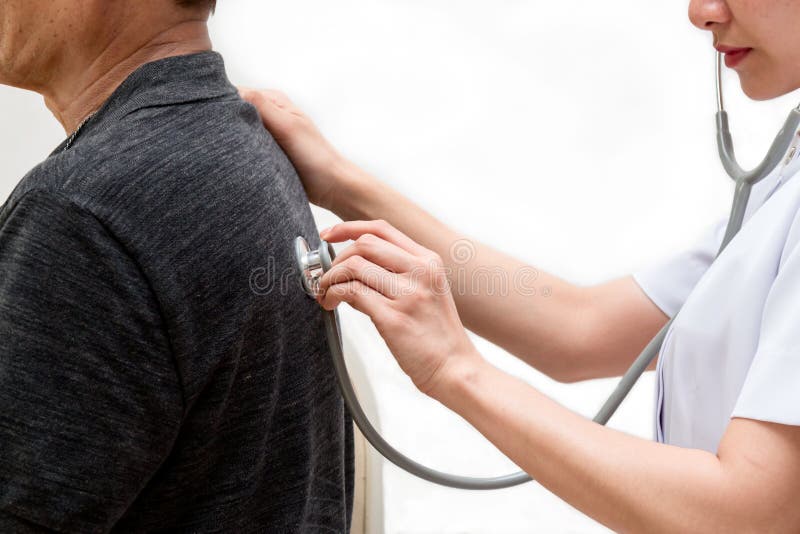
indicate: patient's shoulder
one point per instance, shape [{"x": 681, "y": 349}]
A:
[
  {"x": 195, "y": 157},
  {"x": 184, "y": 179}
]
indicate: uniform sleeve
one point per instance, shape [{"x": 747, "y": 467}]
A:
[
  {"x": 771, "y": 390},
  {"x": 91, "y": 402},
  {"x": 669, "y": 281}
]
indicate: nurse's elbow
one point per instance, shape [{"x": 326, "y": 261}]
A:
[
  {"x": 562, "y": 372},
  {"x": 572, "y": 377}
]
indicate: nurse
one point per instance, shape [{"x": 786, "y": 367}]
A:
[{"x": 727, "y": 451}]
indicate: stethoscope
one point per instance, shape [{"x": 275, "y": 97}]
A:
[{"x": 314, "y": 263}]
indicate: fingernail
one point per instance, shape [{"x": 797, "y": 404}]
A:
[{"x": 324, "y": 231}]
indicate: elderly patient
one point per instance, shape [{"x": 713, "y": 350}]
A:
[{"x": 157, "y": 371}]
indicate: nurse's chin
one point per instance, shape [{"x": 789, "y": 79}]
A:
[{"x": 762, "y": 88}]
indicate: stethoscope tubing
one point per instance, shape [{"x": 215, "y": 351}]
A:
[
  {"x": 744, "y": 183},
  {"x": 623, "y": 388}
]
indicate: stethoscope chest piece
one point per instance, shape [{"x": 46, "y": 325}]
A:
[{"x": 312, "y": 263}]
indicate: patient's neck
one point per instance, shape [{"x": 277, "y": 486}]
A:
[{"x": 81, "y": 87}]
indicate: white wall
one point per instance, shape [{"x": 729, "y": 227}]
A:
[{"x": 576, "y": 135}]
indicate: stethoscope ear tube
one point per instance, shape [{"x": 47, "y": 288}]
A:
[
  {"x": 777, "y": 151},
  {"x": 780, "y": 146}
]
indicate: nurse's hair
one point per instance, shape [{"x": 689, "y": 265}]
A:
[{"x": 212, "y": 4}]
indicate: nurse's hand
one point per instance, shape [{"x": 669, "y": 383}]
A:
[
  {"x": 403, "y": 288},
  {"x": 324, "y": 172}
]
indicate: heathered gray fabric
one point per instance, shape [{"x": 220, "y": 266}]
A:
[{"x": 160, "y": 367}]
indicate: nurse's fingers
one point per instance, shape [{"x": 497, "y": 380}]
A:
[
  {"x": 277, "y": 111},
  {"x": 380, "y": 252},
  {"x": 388, "y": 284},
  {"x": 265, "y": 97},
  {"x": 355, "y": 229},
  {"x": 361, "y": 297}
]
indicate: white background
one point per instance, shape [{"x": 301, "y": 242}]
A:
[{"x": 577, "y": 135}]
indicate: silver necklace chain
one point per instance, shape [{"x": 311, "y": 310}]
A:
[{"x": 72, "y": 137}]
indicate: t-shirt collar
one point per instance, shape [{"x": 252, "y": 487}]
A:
[{"x": 167, "y": 81}]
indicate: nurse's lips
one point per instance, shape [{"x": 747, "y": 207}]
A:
[{"x": 733, "y": 55}]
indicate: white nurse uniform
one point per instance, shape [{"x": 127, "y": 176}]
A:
[{"x": 734, "y": 347}]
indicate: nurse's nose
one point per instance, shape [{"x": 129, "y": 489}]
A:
[{"x": 709, "y": 14}]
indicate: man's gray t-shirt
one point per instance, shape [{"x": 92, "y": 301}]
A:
[{"x": 161, "y": 368}]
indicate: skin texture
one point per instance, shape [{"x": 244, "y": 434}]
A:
[
  {"x": 75, "y": 53},
  {"x": 394, "y": 273}
]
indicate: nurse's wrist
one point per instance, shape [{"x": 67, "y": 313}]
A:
[{"x": 460, "y": 379}]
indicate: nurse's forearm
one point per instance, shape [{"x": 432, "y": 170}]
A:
[
  {"x": 626, "y": 483},
  {"x": 530, "y": 313},
  {"x": 568, "y": 332}
]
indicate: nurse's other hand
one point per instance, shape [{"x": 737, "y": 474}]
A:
[
  {"x": 320, "y": 166},
  {"x": 403, "y": 288}
]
